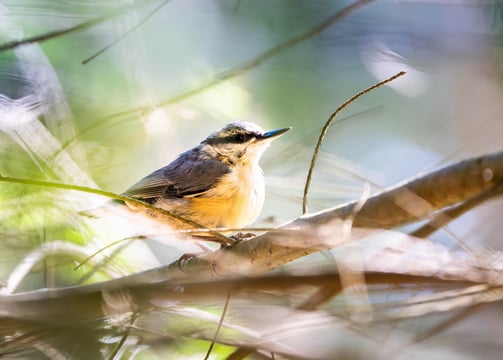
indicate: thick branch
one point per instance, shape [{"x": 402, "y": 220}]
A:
[
  {"x": 90, "y": 302},
  {"x": 324, "y": 230},
  {"x": 420, "y": 197},
  {"x": 405, "y": 203}
]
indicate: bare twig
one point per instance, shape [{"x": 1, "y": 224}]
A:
[
  {"x": 219, "y": 237},
  {"x": 79, "y": 27},
  {"x": 124, "y": 337},
  {"x": 220, "y": 322},
  {"x": 446, "y": 324},
  {"x": 141, "y": 22},
  {"x": 113, "y": 243},
  {"x": 324, "y": 131}
]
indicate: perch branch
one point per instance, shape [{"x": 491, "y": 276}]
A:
[{"x": 405, "y": 203}]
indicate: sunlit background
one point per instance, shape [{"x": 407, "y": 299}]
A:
[{"x": 106, "y": 104}]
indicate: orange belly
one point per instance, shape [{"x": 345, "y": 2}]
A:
[{"x": 236, "y": 201}]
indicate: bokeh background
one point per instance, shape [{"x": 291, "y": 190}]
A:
[{"x": 107, "y": 121}]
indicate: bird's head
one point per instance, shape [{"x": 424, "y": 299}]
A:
[{"x": 241, "y": 142}]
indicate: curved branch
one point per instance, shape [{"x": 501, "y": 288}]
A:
[
  {"x": 405, "y": 203},
  {"x": 400, "y": 205},
  {"x": 329, "y": 122}
]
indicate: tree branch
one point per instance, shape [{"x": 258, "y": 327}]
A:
[
  {"x": 403, "y": 204},
  {"x": 307, "y": 234}
]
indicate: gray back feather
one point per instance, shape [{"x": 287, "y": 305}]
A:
[{"x": 192, "y": 173}]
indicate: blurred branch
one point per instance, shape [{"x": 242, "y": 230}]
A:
[
  {"x": 52, "y": 248},
  {"x": 253, "y": 63},
  {"x": 46, "y": 304},
  {"x": 405, "y": 203},
  {"x": 155, "y": 210},
  {"x": 321, "y": 295},
  {"x": 124, "y": 297},
  {"x": 307, "y": 234},
  {"x": 444, "y": 217},
  {"x": 122, "y": 36},
  {"x": 220, "y": 322},
  {"x": 446, "y": 324},
  {"x": 79, "y": 27}
]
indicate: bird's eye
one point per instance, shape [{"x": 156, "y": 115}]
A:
[{"x": 239, "y": 138}]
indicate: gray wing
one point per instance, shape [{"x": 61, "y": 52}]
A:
[{"x": 191, "y": 174}]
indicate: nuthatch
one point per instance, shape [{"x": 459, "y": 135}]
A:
[{"x": 218, "y": 183}]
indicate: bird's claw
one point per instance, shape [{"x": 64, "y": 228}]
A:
[
  {"x": 242, "y": 236},
  {"x": 183, "y": 259}
]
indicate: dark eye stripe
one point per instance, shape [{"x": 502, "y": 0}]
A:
[
  {"x": 239, "y": 138},
  {"x": 236, "y": 138}
]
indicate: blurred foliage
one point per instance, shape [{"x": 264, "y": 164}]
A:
[{"x": 100, "y": 124}]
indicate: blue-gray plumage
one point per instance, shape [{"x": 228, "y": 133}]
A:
[
  {"x": 218, "y": 183},
  {"x": 191, "y": 174}
]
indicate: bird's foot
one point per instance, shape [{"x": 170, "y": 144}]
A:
[
  {"x": 242, "y": 236},
  {"x": 183, "y": 259}
]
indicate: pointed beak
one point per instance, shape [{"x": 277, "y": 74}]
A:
[{"x": 273, "y": 133}]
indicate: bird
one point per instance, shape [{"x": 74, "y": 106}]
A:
[{"x": 216, "y": 184}]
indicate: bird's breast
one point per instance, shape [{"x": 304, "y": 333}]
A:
[{"x": 235, "y": 201}]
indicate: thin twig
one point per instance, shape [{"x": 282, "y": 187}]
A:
[
  {"x": 324, "y": 131},
  {"x": 87, "y": 259},
  {"x": 79, "y": 27},
  {"x": 102, "y": 264},
  {"x": 124, "y": 336},
  {"x": 224, "y": 311},
  {"x": 446, "y": 324},
  {"x": 141, "y": 22},
  {"x": 219, "y": 237}
]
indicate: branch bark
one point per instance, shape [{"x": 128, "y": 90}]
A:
[
  {"x": 408, "y": 202},
  {"x": 405, "y": 203}
]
